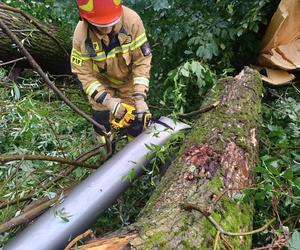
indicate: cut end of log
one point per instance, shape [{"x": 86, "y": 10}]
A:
[{"x": 120, "y": 242}]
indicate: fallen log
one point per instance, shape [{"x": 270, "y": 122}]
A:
[
  {"x": 194, "y": 205},
  {"x": 43, "y": 41}
]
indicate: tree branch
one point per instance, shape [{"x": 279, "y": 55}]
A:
[
  {"x": 80, "y": 237},
  {"x": 27, "y": 216},
  {"x": 189, "y": 206},
  {"x": 9, "y": 158},
  {"x": 200, "y": 111},
  {"x": 13, "y": 61},
  {"x": 32, "y": 211},
  {"x": 36, "y": 67},
  {"x": 82, "y": 157}
]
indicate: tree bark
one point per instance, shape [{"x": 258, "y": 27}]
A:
[
  {"x": 43, "y": 41},
  {"x": 216, "y": 162}
]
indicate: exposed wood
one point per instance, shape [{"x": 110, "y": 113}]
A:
[
  {"x": 43, "y": 41},
  {"x": 78, "y": 238},
  {"x": 216, "y": 163},
  {"x": 114, "y": 242}
]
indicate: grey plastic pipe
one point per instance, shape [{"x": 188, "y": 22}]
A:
[{"x": 94, "y": 195}]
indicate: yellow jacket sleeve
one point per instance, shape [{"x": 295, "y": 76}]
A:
[{"x": 141, "y": 59}]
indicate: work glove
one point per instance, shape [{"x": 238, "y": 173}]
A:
[
  {"x": 143, "y": 117},
  {"x": 114, "y": 106},
  {"x": 140, "y": 105}
]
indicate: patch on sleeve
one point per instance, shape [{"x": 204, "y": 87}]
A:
[
  {"x": 76, "y": 60},
  {"x": 96, "y": 46},
  {"x": 146, "y": 49}
]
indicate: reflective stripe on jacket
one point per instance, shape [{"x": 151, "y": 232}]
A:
[{"x": 125, "y": 60}]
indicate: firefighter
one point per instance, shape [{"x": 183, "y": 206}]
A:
[{"x": 111, "y": 57}]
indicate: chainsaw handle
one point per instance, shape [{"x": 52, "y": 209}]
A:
[{"x": 127, "y": 118}]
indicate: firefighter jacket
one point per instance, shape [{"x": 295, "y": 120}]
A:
[{"x": 118, "y": 62}]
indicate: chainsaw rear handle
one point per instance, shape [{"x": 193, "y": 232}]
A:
[
  {"x": 126, "y": 119},
  {"x": 131, "y": 117}
]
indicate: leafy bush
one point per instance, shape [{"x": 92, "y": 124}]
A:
[
  {"x": 221, "y": 33},
  {"x": 186, "y": 87},
  {"x": 277, "y": 192}
]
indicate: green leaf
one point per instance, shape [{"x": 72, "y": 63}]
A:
[
  {"x": 288, "y": 174},
  {"x": 262, "y": 170},
  {"x": 160, "y": 4},
  {"x": 16, "y": 92},
  {"x": 294, "y": 241},
  {"x": 185, "y": 72},
  {"x": 273, "y": 170},
  {"x": 296, "y": 168}
]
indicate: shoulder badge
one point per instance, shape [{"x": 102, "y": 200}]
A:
[{"x": 146, "y": 49}]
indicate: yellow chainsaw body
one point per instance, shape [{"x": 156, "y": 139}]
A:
[{"x": 126, "y": 119}]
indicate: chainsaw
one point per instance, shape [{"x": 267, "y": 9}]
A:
[{"x": 133, "y": 122}]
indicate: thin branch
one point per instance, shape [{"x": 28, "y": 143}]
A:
[
  {"x": 296, "y": 88},
  {"x": 189, "y": 206},
  {"x": 216, "y": 243},
  {"x": 35, "y": 23},
  {"x": 212, "y": 206},
  {"x": 80, "y": 237},
  {"x": 82, "y": 157},
  {"x": 200, "y": 111},
  {"x": 56, "y": 137},
  {"x": 27, "y": 216},
  {"x": 32, "y": 211},
  {"x": 9, "y": 158},
  {"x": 13, "y": 61},
  {"x": 70, "y": 169},
  {"x": 226, "y": 243},
  {"x": 35, "y": 66},
  {"x": 36, "y": 203}
]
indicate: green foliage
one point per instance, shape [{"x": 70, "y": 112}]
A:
[
  {"x": 278, "y": 174},
  {"x": 62, "y": 214},
  {"x": 162, "y": 155},
  {"x": 221, "y": 33},
  {"x": 186, "y": 87},
  {"x": 33, "y": 121},
  {"x": 294, "y": 242}
]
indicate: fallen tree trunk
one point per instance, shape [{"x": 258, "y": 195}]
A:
[
  {"x": 43, "y": 41},
  {"x": 216, "y": 162}
]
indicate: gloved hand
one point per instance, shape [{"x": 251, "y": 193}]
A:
[
  {"x": 114, "y": 105},
  {"x": 139, "y": 124},
  {"x": 140, "y": 105}
]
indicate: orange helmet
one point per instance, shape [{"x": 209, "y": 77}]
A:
[{"x": 102, "y": 13}]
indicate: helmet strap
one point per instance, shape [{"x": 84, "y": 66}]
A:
[{"x": 89, "y": 44}]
